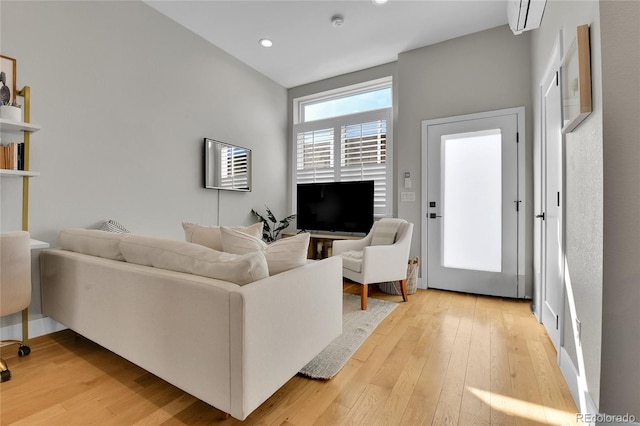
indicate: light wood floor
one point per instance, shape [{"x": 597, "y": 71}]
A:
[{"x": 440, "y": 359}]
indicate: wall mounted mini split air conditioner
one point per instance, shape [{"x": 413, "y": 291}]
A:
[{"x": 525, "y": 15}]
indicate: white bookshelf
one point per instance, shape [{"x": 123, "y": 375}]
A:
[
  {"x": 18, "y": 173},
  {"x": 37, "y": 244},
  {"x": 18, "y": 127},
  {"x": 24, "y": 128},
  {"x": 10, "y": 126}
]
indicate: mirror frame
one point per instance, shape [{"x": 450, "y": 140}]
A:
[{"x": 213, "y": 166}]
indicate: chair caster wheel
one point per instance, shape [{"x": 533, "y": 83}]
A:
[
  {"x": 5, "y": 375},
  {"x": 24, "y": 350}
]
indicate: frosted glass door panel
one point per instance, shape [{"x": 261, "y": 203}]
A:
[
  {"x": 472, "y": 200},
  {"x": 472, "y": 203}
]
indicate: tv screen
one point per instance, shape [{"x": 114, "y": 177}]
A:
[{"x": 336, "y": 206}]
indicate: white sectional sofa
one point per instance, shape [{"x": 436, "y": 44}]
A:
[{"x": 227, "y": 344}]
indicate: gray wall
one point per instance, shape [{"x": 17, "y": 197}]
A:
[
  {"x": 603, "y": 199},
  {"x": 125, "y": 97},
  {"x": 620, "y": 381},
  {"x": 583, "y": 185},
  {"x": 485, "y": 71}
]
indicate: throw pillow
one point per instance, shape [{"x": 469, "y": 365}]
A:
[
  {"x": 281, "y": 255},
  {"x": 209, "y": 236},
  {"x": 385, "y": 231},
  {"x": 113, "y": 226},
  {"x": 93, "y": 242},
  {"x": 194, "y": 259}
]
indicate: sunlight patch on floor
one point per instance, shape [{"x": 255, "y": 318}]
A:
[{"x": 523, "y": 409}]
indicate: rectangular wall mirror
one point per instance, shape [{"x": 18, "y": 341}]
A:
[{"x": 226, "y": 166}]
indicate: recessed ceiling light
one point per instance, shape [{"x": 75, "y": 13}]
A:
[
  {"x": 337, "y": 21},
  {"x": 379, "y": 2},
  {"x": 265, "y": 42}
]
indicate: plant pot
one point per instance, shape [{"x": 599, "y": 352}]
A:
[{"x": 11, "y": 113}]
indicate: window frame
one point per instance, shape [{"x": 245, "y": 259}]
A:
[
  {"x": 342, "y": 92},
  {"x": 337, "y": 123}
]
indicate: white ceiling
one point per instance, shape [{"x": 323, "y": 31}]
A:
[{"x": 307, "y": 47}]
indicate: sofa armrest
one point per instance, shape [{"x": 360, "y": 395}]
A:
[
  {"x": 278, "y": 325},
  {"x": 384, "y": 263},
  {"x": 340, "y": 246}
]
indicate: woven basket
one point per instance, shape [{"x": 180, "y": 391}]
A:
[{"x": 393, "y": 287}]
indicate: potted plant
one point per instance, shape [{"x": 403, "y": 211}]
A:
[{"x": 272, "y": 227}]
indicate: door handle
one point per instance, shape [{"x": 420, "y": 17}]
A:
[
  {"x": 433, "y": 216},
  {"x": 540, "y": 216}
]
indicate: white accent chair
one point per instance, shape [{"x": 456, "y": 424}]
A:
[
  {"x": 15, "y": 287},
  {"x": 370, "y": 260}
]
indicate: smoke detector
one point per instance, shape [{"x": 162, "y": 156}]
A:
[{"x": 337, "y": 21}]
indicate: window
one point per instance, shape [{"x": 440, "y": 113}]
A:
[
  {"x": 349, "y": 104},
  {"x": 346, "y": 136}
]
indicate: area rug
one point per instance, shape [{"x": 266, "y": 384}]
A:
[{"x": 357, "y": 325}]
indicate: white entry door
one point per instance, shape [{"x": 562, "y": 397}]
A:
[
  {"x": 551, "y": 216},
  {"x": 473, "y": 203}
]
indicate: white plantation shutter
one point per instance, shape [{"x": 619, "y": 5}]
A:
[
  {"x": 234, "y": 172},
  {"x": 363, "y": 149},
  {"x": 347, "y": 148},
  {"x": 315, "y": 156}
]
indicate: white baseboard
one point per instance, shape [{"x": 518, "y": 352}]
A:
[
  {"x": 37, "y": 327},
  {"x": 589, "y": 411},
  {"x": 570, "y": 374}
]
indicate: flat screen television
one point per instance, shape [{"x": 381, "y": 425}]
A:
[{"x": 335, "y": 206}]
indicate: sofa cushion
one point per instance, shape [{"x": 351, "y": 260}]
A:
[
  {"x": 93, "y": 242},
  {"x": 281, "y": 255},
  {"x": 352, "y": 260},
  {"x": 209, "y": 236},
  {"x": 194, "y": 259}
]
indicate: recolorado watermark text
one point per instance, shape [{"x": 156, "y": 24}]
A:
[{"x": 605, "y": 418}]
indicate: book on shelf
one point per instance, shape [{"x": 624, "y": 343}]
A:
[{"x": 12, "y": 156}]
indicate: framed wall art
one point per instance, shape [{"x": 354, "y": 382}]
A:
[
  {"x": 576, "y": 81},
  {"x": 8, "y": 76}
]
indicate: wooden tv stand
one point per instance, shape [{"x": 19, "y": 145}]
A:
[{"x": 321, "y": 245}]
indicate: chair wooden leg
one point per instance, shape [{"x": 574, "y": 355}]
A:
[
  {"x": 403, "y": 288},
  {"x": 364, "y": 293}
]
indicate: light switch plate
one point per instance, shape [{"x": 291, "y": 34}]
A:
[{"x": 407, "y": 196}]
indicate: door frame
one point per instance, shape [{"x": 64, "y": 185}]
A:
[
  {"x": 555, "y": 61},
  {"x": 540, "y": 179},
  {"x": 520, "y": 116}
]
